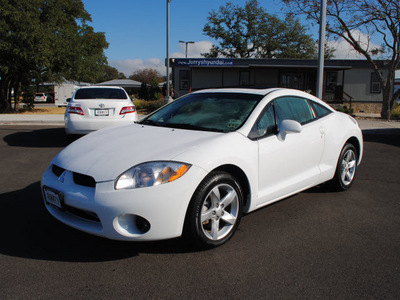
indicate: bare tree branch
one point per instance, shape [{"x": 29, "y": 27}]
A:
[{"x": 380, "y": 19}]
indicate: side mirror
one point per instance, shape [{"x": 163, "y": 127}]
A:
[
  {"x": 287, "y": 127},
  {"x": 68, "y": 100}
]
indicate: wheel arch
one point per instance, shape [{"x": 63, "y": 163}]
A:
[
  {"x": 243, "y": 180},
  {"x": 356, "y": 143}
]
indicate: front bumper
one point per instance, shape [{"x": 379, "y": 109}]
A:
[{"x": 120, "y": 214}]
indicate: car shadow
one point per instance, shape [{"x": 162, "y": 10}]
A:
[
  {"x": 322, "y": 188},
  {"x": 388, "y": 136},
  {"x": 41, "y": 138},
  {"x": 27, "y": 230}
]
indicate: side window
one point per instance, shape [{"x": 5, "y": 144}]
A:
[
  {"x": 265, "y": 124},
  {"x": 293, "y": 108},
  {"x": 320, "y": 111},
  {"x": 375, "y": 84}
]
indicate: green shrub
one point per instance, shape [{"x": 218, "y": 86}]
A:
[
  {"x": 157, "y": 96},
  {"x": 146, "y": 106},
  {"x": 345, "y": 110},
  {"x": 396, "y": 112}
]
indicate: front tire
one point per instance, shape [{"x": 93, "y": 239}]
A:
[
  {"x": 215, "y": 211},
  {"x": 346, "y": 168}
]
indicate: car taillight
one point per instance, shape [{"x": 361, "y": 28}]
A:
[
  {"x": 127, "y": 110},
  {"x": 75, "y": 110}
]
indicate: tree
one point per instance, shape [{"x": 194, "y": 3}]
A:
[
  {"x": 250, "y": 31},
  {"x": 88, "y": 57},
  {"x": 143, "y": 91},
  {"x": 46, "y": 40},
  {"x": 155, "y": 93},
  {"x": 110, "y": 73},
  {"x": 146, "y": 75},
  {"x": 377, "y": 20}
]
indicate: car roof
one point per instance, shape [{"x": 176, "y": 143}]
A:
[
  {"x": 100, "y": 86},
  {"x": 240, "y": 91}
]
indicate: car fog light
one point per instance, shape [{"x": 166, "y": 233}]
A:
[
  {"x": 133, "y": 224},
  {"x": 142, "y": 224}
]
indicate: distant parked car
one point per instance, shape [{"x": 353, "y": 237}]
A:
[
  {"x": 40, "y": 97},
  {"x": 95, "y": 107},
  {"x": 195, "y": 165}
]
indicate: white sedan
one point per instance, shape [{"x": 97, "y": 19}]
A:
[
  {"x": 40, "y": 97},
  {"x": 95, "y": 107},
  {"x": 193, "y": 167}
]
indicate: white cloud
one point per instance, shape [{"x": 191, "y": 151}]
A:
[
  {"x": 343, "y": 50},
  {"x": 129, "y": 66},
  {"x": 194, "y": 50}
]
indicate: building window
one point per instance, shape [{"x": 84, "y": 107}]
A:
[
  {"x": 244, "y": 78},
  {"x": 331, "y": 81},
  {"x": 184, "y": 79},
  {"x": 292, "y": 80},
  {"x": 375, "y": 84}
]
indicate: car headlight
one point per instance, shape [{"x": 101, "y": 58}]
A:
[{"x": 150, "y": 174}]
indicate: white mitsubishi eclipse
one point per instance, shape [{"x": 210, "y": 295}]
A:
[{"x": 193, "y": 167}]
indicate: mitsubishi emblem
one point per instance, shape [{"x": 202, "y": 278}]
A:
[{"x": 61, "y": 178}]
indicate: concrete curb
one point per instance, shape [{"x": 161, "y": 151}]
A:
[{"x": 23, "y": 119}]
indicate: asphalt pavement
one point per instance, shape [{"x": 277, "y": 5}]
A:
[{"x": 314, "y": 245}]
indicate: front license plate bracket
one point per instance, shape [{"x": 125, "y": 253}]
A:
[{"x": 53, "y": 197}]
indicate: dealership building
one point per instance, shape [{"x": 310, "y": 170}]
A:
[{"x": 350, "y": 83}]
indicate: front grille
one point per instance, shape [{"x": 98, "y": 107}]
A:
[
  {"x": 79, "y": 179},
  {"x": 84, "y": 180}
]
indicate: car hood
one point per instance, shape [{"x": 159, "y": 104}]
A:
[{"x": 107, "y": 153}]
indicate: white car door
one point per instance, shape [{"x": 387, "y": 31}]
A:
[{"x": 288, "y": 163}]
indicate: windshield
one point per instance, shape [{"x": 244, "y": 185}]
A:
[
  {"x": 221, "y": 112},
  {"x": 100, "y": 93}
]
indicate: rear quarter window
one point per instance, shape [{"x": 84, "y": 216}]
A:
[{"x": 319, "y": 110}]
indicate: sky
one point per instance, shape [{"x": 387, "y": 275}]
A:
[{"x": 136, "y": 30}]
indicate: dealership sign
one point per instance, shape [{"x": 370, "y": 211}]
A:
[{"x": 203, "y": 62}]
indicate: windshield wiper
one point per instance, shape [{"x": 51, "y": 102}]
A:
[
  {"x": 192, "y": 127},
  {"x": 149, "y": 122}
]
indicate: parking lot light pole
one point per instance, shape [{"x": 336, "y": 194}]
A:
[
  {"x": 168, "y": 97},
  {"x": 190, "y": 42},
  {"x": 321, "y": 50}
]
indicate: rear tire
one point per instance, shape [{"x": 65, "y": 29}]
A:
[
  {"x": 345, "y": 169},
  {"x": 215, "y": 211}
]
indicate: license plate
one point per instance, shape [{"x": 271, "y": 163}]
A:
[
  {"x": 101, "y": 112},
  {"x": 53, "y": 197}
]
